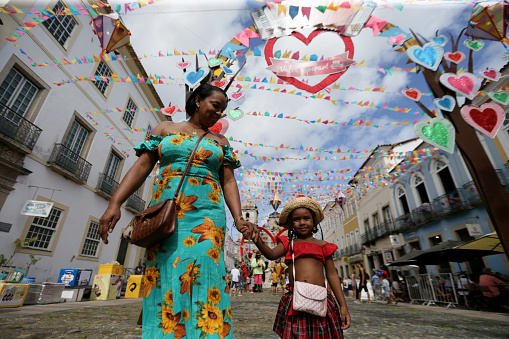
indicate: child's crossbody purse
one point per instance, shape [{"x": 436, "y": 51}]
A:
[{"x": 309, "y": 298}]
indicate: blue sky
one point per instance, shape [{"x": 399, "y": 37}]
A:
[{"x": 208, "y": 25}]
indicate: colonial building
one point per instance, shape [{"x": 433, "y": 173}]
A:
[
  {"x": 68, "y": 144},
  {"x": 380, "y": 240}
]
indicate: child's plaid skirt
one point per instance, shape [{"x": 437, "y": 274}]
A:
[{"x": 305, "y": 325}]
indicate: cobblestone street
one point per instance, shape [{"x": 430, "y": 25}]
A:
[{"x": 253, "y": 316}]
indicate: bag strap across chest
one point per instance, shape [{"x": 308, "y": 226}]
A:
[
  {"x": 188, "y": 164},
  {"x": 293, "y": 261}
]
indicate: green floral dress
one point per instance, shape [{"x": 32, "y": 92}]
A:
[{"x": 185, "y": 285}]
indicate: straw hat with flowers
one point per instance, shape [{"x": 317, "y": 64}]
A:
[{"x": 301, "y": 202}]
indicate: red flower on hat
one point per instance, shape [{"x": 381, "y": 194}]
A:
[{"x": 303, "y": 196}]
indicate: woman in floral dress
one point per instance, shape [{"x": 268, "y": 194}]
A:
[{"x": 186, "y": 293}]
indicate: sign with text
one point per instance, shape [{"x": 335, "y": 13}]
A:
[
  {"x": 474, "y": 230},
  {"x": 388, "y": 257},
  {"x": 37, "y": 208}
]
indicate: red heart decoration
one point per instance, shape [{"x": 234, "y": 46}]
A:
[
  {"x": 219, "y": 84},
  {"x": 491, "y": 73},
  {"x": 183, "y": 64},
  {"x": 220, "y": 127},
  {"x": 236, "y": 96},
  {"x": 170, "y": 110},
  {"x": 486, "y": 119},
  {"x": 412, "y": 94},
  {"x": 269, "y": 53},
  {"x": 456, "y": 57}
]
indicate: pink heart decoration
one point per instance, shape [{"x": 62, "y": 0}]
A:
[
  {"x": 183, "y": 64},
  {"x": 490, "y": 74},
  {"x": 456, "y": 57},
  {"x": 488, "y": 118},
  {"x": 220, "y": 127},
  {"x": 170, "y": 111},
  {"x": 396, "y": 39},
  {"x": 219, "y": 84},
  {"x": 466, "y": 84},
  {"x": 237, "y": 96},
  {"x": 412, "y": 94}
]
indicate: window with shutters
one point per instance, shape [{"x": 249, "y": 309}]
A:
[
  {"x": 17, "y": 94},
  {"x": 105, "y": 71},
  {"x": 92, "y": 240},
  {"x": 130, "y": 112},
  {"x": 44, "y": 229},
  {"x": 60, "y": 26}
]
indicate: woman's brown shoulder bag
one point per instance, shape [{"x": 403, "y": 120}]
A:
[{"x": 157, "y": 223}]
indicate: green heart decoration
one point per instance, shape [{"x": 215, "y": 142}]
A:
[
  {"x": 235, "y": 114},
  {"x": 502, "y": 97},
  {"x": 438, "y": 132},
  {"x": 474, "y": 45},
  {"x": 215, "y": 62}
]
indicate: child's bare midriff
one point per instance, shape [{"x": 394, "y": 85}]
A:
[{"x": 308, "y": 270}]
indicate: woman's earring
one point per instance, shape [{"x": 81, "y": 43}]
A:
[
  {"x": 197, "y": 105},
  {"x": 315, "y": 229}
]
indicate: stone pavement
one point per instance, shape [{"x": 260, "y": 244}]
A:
[{"x": 253, "y": 317}]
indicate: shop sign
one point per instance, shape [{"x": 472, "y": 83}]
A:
[
  {"x": 36, "y": 208},
  {"x": 474, "y": 230}
]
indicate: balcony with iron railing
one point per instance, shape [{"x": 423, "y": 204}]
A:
[
  {"x": 441, "y": 207},
  {"x": 135, "y": 204},
  {"x": 69, "y": 164},
  {"x": 380, "y": 231},
  {"x": 106, "y": 186},
  {"x": 18, "y": 131},
  {"x": 353, "y": 249}
]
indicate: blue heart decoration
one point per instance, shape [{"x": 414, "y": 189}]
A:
[
  {"x": 446, "y": 103},
  {"x": 430, "y": 55},
  {"x": 441, "y": 40},
  {"x": 226, "y": 70},
  {"x": 193, "y": 78}
]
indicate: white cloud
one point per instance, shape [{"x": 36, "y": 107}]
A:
[{"x": 208, "y": 25}]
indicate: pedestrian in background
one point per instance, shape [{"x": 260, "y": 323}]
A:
[
  {"x": 363, "y": 283},
  {"x": 258, "y": 269},
  {"x": 235, "y": 274},
  {"x": 375, "y": 282},
  {"x": 386, "y": 288},
  {"x": 273, "y": 279}
]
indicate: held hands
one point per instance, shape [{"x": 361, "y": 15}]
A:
[
  {"x": 108, "y": 221},
  {"x": 248, "y": 230}
]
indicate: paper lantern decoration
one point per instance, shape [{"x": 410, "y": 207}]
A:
[
  {"x": 340, "y": 199},
  {"x": 275, "y": 202},
  {"x": 111, "y": 32},
  {"x": 489, "y": 21}
]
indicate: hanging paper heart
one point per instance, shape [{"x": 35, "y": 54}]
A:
[
  {"x": 219, "y": 84},
  {"x": 183, "y": 64},
  {"x": 237, "y": 96},
  {"x": 397, "y": 39},
  {"x": 441, "y": 40},
  {"x": 235, "y": 114},
  {"x": 490, "y": 74},
  {"x": 193, "y": 78},
  {"x": 488, "y": 118},
  {"x": 438, "y": 132},
  {"x": 474, "y": 45},
  {"x": 455, "y": 57},
  {"x": 467, "y": 83},
  {"x": 445, "y": 103},
  {"x": 429, "y": 56},
  {"x": 215, "y": 62},
  {"x": 170, "y": 111},
  {"x": 226, "y": 70},
  {"x": 412, "y": 94},
  {"x": 502, "y": 97},
  {"x": 349, "y": 48},
  {"x": 220, "y": 127}
]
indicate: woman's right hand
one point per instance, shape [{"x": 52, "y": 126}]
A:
[{"x": 108, "y": 221}]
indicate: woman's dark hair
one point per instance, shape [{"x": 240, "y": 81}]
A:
[{"x": 203, "y": 91}]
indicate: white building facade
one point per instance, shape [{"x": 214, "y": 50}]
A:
[{"x": 50, "y": 150}]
